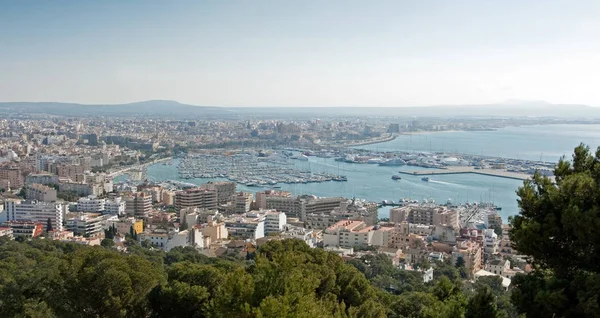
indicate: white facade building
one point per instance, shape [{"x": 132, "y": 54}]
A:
[
  {"x": 275, "y": 222},
  {"x": 115, "y": 206},
  {"x": 491, "y": 242},
  {"x": 91, "y": 204},
  {"x": 36, "y": 211},
  {"x": 246, "y": 227},
  {"x": 86, "y": 224}
]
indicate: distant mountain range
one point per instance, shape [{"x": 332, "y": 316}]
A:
[{"x": 176, "y": 110}]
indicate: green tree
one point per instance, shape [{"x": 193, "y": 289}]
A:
[
  {"x": 558, "y": 227},
  {"x": 107, "y": 242},
  {"x": 49, "y": 225},
  {"x": 460, "y": 262},
  {"x": 482, "y": 305}
]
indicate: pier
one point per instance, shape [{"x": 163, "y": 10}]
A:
[{"x": 462, "y": 170}]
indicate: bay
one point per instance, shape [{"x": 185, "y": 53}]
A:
[{"x": 545, "y": 142}]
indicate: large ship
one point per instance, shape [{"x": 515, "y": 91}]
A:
[{"x": 393, "y": 162}]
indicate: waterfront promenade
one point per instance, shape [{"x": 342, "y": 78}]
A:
[
  {"x": 460, "y": 170},
  {"x": 137, "y": 166}
]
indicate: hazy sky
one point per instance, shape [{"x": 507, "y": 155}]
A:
[{"x": 295, "y": 53}]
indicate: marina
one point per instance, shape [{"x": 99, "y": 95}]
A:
[{"x": 251, "y": 169}]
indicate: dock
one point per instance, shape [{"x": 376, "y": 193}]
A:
[{"x": 463, "y": 170}]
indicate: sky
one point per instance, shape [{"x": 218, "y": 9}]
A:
[{"x": 300, "y": 53}]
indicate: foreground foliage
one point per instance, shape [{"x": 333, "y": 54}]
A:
[
  {"x": 558, "y": 226},
  {"x": 42, "y": 278}
]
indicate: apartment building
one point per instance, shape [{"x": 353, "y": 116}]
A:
[
  {"x": 82, "y": 189},
  {"x": 261, "y": 198},
  {"x": 12, "y": 175},
  {"x": 41, "y": 178},
  {"x": 196, "y": 198},
  {"x": 316, "y": 205},
  {"x": 406, "y": 235},
  {"x": 40, "y": 192},
  {"x": 275, "y": 222},
  {"x": 245, "y": 227},
  {"x": 36, "y": 211},
  {"x": 224, "y": 189},
  {"x": 86, "y": 224},
  {"x": 491, "y": 242},
  {"x": 242, "y": 202},
  {"x": 138, "y": 204},
  {"x": 290, "y": 205},
  {"x": 124, "y": 225},
  {"x": 425, "y": 214},
  {"x": 351, "y": 233},
  {"x": 471, "y": 253},
  {"x": 493, "y": 220},
  {"x": 115, "y": 206},
  {"x": 216, "y": 231},
  {"x": 169, "y": 240},
  {"x": 168, "y": 197},
  {"x": 91, "y": 204},
  {"x": 71, "y": 171},
  {"x": 25, "y": 228}
]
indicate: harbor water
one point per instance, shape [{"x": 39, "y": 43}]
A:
[{"x": 373, "y": 182}]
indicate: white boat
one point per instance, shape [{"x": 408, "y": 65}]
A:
[
  {"x": 393, "y": 162},
  {"x": 300, "y": 157}
]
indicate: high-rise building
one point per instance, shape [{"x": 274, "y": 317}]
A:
[
  {"x": 224, "y": 189},
  {"x": 196, "y": 198},
  {"x": 138, "y": 204}
]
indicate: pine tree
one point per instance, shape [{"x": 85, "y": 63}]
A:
[{"x": 49, "y": 225}]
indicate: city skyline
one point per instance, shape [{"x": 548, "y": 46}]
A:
[{"x": 395, "y": 53}]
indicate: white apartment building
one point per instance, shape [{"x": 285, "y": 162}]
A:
[
  {"x": 90, "y": 204},
  {"x": 169, "y": 240},
  {"x": 246, "y": 227},
  {"x": 274, "y": 222},
  {"x": 115, "y": 206},
  {"x": 36, "y": 211},
  {"x": 86, "y": 224},
  {"x": 491, "y": 244},
  {"x": 299, "y": 233}
]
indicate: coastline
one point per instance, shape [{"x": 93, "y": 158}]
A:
[{"x": 371, "y": 142}]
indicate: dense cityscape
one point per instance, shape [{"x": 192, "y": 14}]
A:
[
  {"x": 57, "y": 179},
  {"x": 299, "y": 159}
]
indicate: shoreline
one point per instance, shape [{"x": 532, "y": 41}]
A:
[{"x": 371, "y": 142}]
